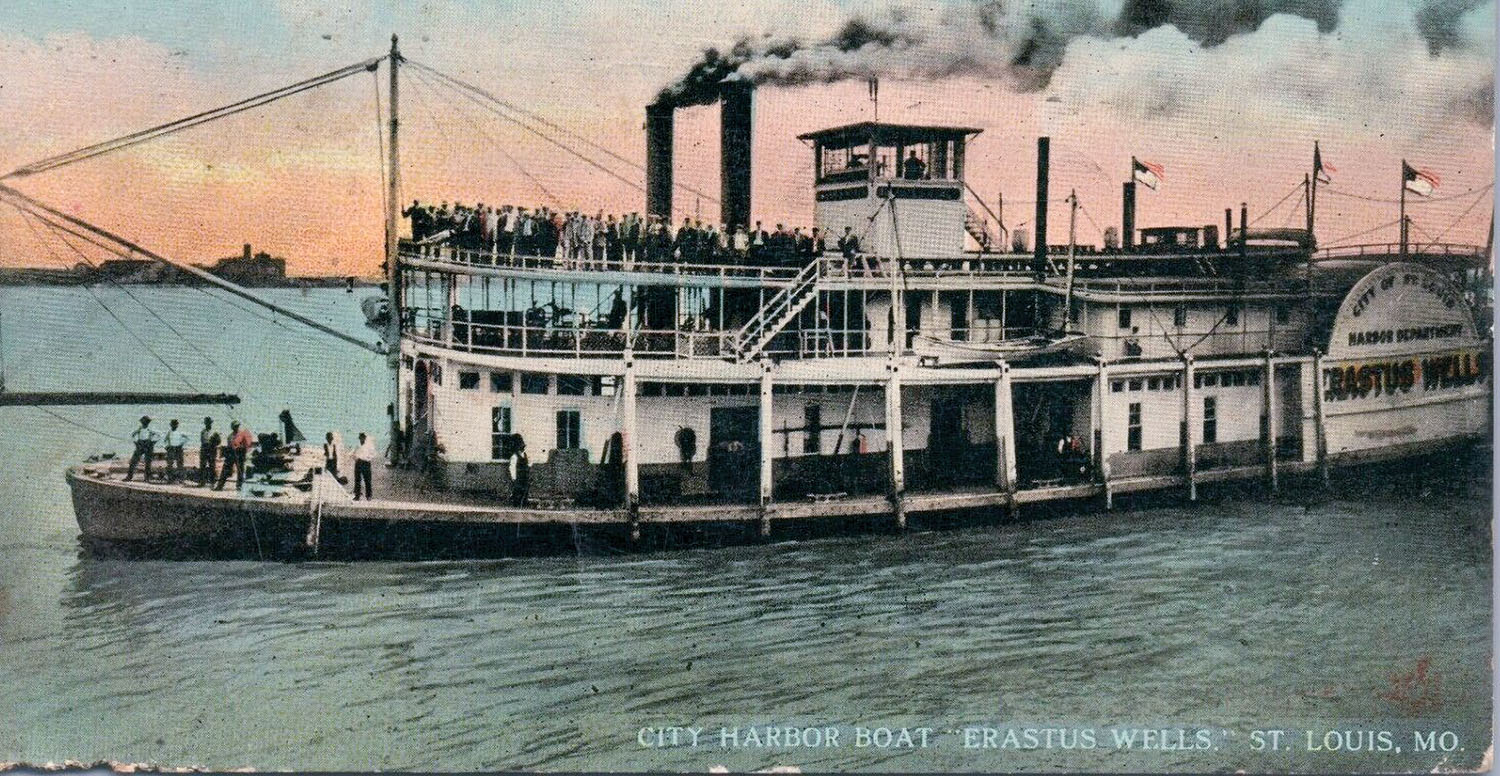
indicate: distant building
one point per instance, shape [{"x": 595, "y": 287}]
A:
[{"x": 251, "y": 269}]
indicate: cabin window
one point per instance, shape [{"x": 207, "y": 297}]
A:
[
  {"x": 1133, "y": 428},
  {"x": 1283, "y": 314},
  {"x": 1124, "y": 317},
  {"x": 534, "y": 383},
  {"x": 1117, "y": 386},
  {"x": 812, "y": 422},
  {"x": 1211, "y": 379},
  {"x": 1253, "y": 378},
  {"x": 606, "y": 385},
  {"x": 1153, "y": 384},
  {"x": 572, "y": 385},
  {"x": 569, "y": 430},
  {"x": 1197, "y": 380},
  {"x": 1239, "y": 379},
  {"x": 500, "y": 382},
  {"x": 500, "y": 447},
  {"x": 1135, "y": 385},
  {"x": 468, "y": 381},
  {"x": 1179, "y": 316},
  {"x": 650, "y": 389},
  {"x": 1210, "y": 420},
  {"x": 1232, "y": 315}
]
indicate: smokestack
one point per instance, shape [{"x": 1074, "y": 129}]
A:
[
  {"x": 1228, "y": 227},
  {"x": 659, "y": 124},
  {"x": 1127, "y": 220},
  {"x": 737, "y": 101},
  {"x": 1039, "y": 249}
]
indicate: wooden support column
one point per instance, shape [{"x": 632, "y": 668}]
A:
[
  {"x": 893, "y": 442},
  {"x": 767, "y": 430},
  {"x": 1320, "y": 434},
  {"x": 1101, "y": 465},
  {"x": 1005, "y": 437},
  {"x": 631, "y": 450},
  {"x": 1189, "y": 449},
  {"x": 1268, "y": 407}
]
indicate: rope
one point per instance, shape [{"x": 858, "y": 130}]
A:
[
  {"x": 1278, "y": 204},
  {"x": 473, "y": 124},
  {"x": 1335, "y": 243},
  {"x": 385, "y": 186},
  {"x": 523, "y": 125},
  {"x": 531, "y": 114},
  {"x": 1409, "y": 201},
  {"x": 77, "y": 424},
  {"x": 171, "y": 127},
  {"x": 95, "y": 294}
]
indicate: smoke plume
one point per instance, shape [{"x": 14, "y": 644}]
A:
[{"x": 1022, "y": 42}]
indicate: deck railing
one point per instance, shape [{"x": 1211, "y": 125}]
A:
[
  {"x": 464, "y": 258},
  {"x": 572, "y": 341},
  {"x": 1390, "y": 249}
]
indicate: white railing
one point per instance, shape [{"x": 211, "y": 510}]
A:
[
  {"x": 1389, "y": 249},
  {"x": 462, "y": 258},
  {"x": 571, "y": 341}
]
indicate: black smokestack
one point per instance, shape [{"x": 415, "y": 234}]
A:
[
  {"x": 1127, "y": 219},
  {"x": 1039, "y": 250},
  {"x": 659, "y": 124},
  {"x": 735, "y": 120},
  {"x": 1228, "y": 227}
]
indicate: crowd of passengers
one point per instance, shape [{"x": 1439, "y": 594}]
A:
[{"x": 502, "y": 233}]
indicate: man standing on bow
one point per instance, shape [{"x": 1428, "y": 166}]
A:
[{"x": 144, "y": 440}]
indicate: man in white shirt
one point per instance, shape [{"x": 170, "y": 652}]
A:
[
  {"x": 144, "y": 440},
  {"x": 174, "y": 441},
  {"x": 364, "y": 457}
]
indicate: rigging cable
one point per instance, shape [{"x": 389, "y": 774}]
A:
[
  {"x": 171, "y": 127},
  {"x": 473, "y": 124},
  {"x": 1409, "y": 201},
  {"x": 77, "y": 424},
  {"x": 1278, "y": 204},
  {"x": 95, "y": 294}
]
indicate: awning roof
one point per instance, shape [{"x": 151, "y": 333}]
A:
[{"x": 894, "y": 134}]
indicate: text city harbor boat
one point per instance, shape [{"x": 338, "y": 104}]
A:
[{"x": 918, "y": 378}]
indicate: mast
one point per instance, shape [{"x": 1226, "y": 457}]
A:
[
  {"x": 1403, "y": 210},
  {"x": 1072, "y": 226},
  {"x": 392, "y": 250}
]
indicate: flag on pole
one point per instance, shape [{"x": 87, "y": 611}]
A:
[
  {"x": 1419, "y": 182},
  {"x": 1150, "y": 174},
  {"x": 1321, "y": 169}
]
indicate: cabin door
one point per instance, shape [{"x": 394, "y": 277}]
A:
[
  {"x": 947, "y": 452},
  {"x": 734, "y": 452},
  {"x": 420, "y": 381}
]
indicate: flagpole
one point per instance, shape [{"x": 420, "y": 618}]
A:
[{"x": 1403, "y": 210}]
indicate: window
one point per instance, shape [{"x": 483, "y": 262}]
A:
[
  {"x": 571, "y": 385},
  {"x": 1210, "y": 420},
  {"x": 1124, "y": 317},
  {"x": 1179, "y": 316},
  {"x": 500, "y": 382},
  {"x": 1283, "y": 314},
  {"x": 1153, "y": 384},
  {"x": 1135, "y": 385},
  {"x": 1197, "y": 379},
  {"x": 606, "y": 385},
  {"x": 468, "y": 381},
  {"x": 500, "y": 447},
  {"x": 1211, "y": 379},
  {"x": 534, "y": 383},
  {"x": 569, "y": 430},
  {"x": 1232, "y": 315},
  {"x": 812, "y": 422},
  {"x": 1253, "y": 378},
  {"x": 1116, "y": 386},
  {"x": 1133, "y": 428}
]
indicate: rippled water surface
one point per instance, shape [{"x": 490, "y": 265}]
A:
[{"x": 1369, "y": 610}]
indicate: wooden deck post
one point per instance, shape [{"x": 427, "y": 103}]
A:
[
  {"x": 893, "y": 441},
  {"x": 767, "y": 429},
  {"x": 1101, "y": 466},
  {"x": 1268, "y": 398},
  {"x": 1320, "y": 434},
  {"x": 1189, "y": 449},
  {"x": 631, "y": 451},
  {"x": 1005, "y": 437}
]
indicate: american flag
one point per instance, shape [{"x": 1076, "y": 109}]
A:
[{"x": 1418, "y": 181}]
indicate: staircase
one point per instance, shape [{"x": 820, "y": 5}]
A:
[
  {"x": 780, "y": 309},
  {"x": 979, "y": 229}
]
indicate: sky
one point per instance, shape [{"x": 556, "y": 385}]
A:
[{"x": 1227, "y": 95}]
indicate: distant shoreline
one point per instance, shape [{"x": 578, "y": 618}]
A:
[{"x": 37, "y": 276}]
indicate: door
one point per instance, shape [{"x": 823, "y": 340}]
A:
[{"x": 734, "y": 452}]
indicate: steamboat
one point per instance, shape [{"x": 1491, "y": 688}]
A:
[{"x": 939, "y": 370}]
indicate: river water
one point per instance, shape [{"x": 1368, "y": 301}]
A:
[{"x": 1366, "y": 612}]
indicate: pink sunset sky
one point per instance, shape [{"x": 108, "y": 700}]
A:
[{"x": 1231, "y": 114}]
